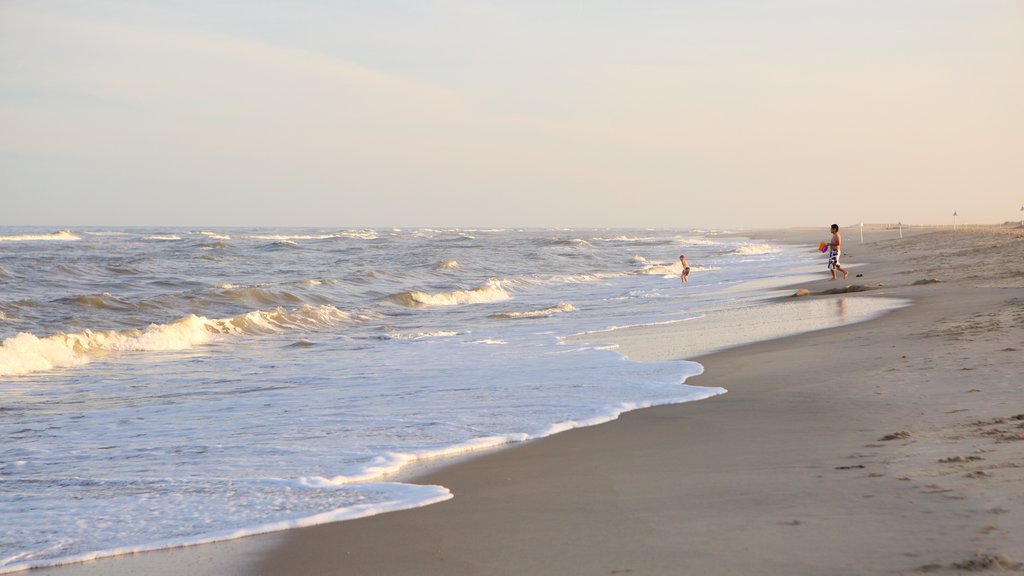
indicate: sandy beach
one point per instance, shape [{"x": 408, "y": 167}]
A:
[{"x": 893, "y": 446}]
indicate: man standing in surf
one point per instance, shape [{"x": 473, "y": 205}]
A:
[{"x": 834, "y": 251}]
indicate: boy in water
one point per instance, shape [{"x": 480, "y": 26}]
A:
[
  {"x": 835, "y": 249},
  {"x": 686, "y": 269}
]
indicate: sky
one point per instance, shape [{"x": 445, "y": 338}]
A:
[{"x": 528, "y": 113}]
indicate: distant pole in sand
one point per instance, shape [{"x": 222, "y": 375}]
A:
[
  {"x": 900, "y": 224},
  {"x": 954, "y": 220},
  {"x": 861, "y": 232}
]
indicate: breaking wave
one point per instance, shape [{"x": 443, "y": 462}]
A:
[
  {"x": 754, "y": 249},
  {"x": 543, "y": 313},
  {"x": 356, "y": 234},
  {"x": 492, "y": 291},
  {"x": 27, "y": 353},
  {"x": 62, "y": 235},
  {"x": 419, "y": 335},
  {"x": 576, "y": 242}
]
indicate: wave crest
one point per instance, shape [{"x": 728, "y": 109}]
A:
[
  {"x": 543, "y": 313},
  {"x": 755, "y": 249},
  {"x": 64, "y": 235},
  {"x": 491, "y": 291},
  {"x": 259, "y": 296},
  {"x": 26, "y": 353}
]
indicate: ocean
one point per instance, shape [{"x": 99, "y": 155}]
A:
[{"x": 162, "y": 387}]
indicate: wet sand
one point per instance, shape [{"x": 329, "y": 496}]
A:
[{"x": 894, "y": 446}]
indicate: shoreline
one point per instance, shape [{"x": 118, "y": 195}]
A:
[{"x": 782, "y": 475}]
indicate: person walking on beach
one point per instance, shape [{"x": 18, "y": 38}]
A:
[
  {"x": 685, "y": 276},
  {"x": 835, "y": 249}
]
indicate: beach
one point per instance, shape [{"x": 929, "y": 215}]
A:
[{"x": 884, "y": 447}]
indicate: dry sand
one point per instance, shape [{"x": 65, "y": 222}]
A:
[{"x": 894, "y": 446}]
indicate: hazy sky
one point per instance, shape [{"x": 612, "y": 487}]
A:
[{"x": 699, "y": 113}]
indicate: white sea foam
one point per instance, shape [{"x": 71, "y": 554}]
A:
[
  {"x": 543, "y": 312},
  {"x": 360, "y": 234},
  {"x": 163, "y": 237},
  {"x": 622, "y": 239},
  {"x": 697, "y": 394},
  {"x": 108, "y": 233},
  {"x": 357, "y": 234},
  {"x": 491, "y": 291},
  {"x": 392, "y": 463},
  {"x": 446, "y": 265},
  {"x": 755, "y": 249},
  {"x": 401, "y": 497},
  {"x": 494, "y": 341},
  {"x": 216, "y": 235},
  {"x": 690, "y": 241},
  {"x": 581, "y": 278},
  {"x": 421, "y": 335},
  {"x": 27, "y": 353},
  {"x": 674, "y": 269},
  {"x": 63, "y": 235},
  {"x": 578, "y": 242}
]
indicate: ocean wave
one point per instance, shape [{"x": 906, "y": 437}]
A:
[
  {"x": 592, "y": 277},
  {"x": 63, "y": 235},
  {"x": 291, "y": 236},
  {"x": 754, "y": 249},
  {"x": 104, "y": 301},
  {"x": 218, "y": 245},
  {"x": 354, "y": 234},
  {"x": 624, "y": 239},
  {"x": 362, "y": 234},
  {"x": 687, "y": 241},
  {"x": 543, "y": 313},
  {"x": 216, "y": 235},
  {"x": 108, "y": 233},
  {"x": 259, "y": 296},
  {"x": 491, "y": 291},
  {"x": 574, "y": 242},
  {"x": 279, "y": 244},
  {"x": 446, "y": 265},
  {"x": 27, "y": 353},
  {"x": 316, "y": 282},
  {"x": 162, "y": 237},
  {"x": 118, "y": 268},
  {"x": 419, "y": 335}
]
